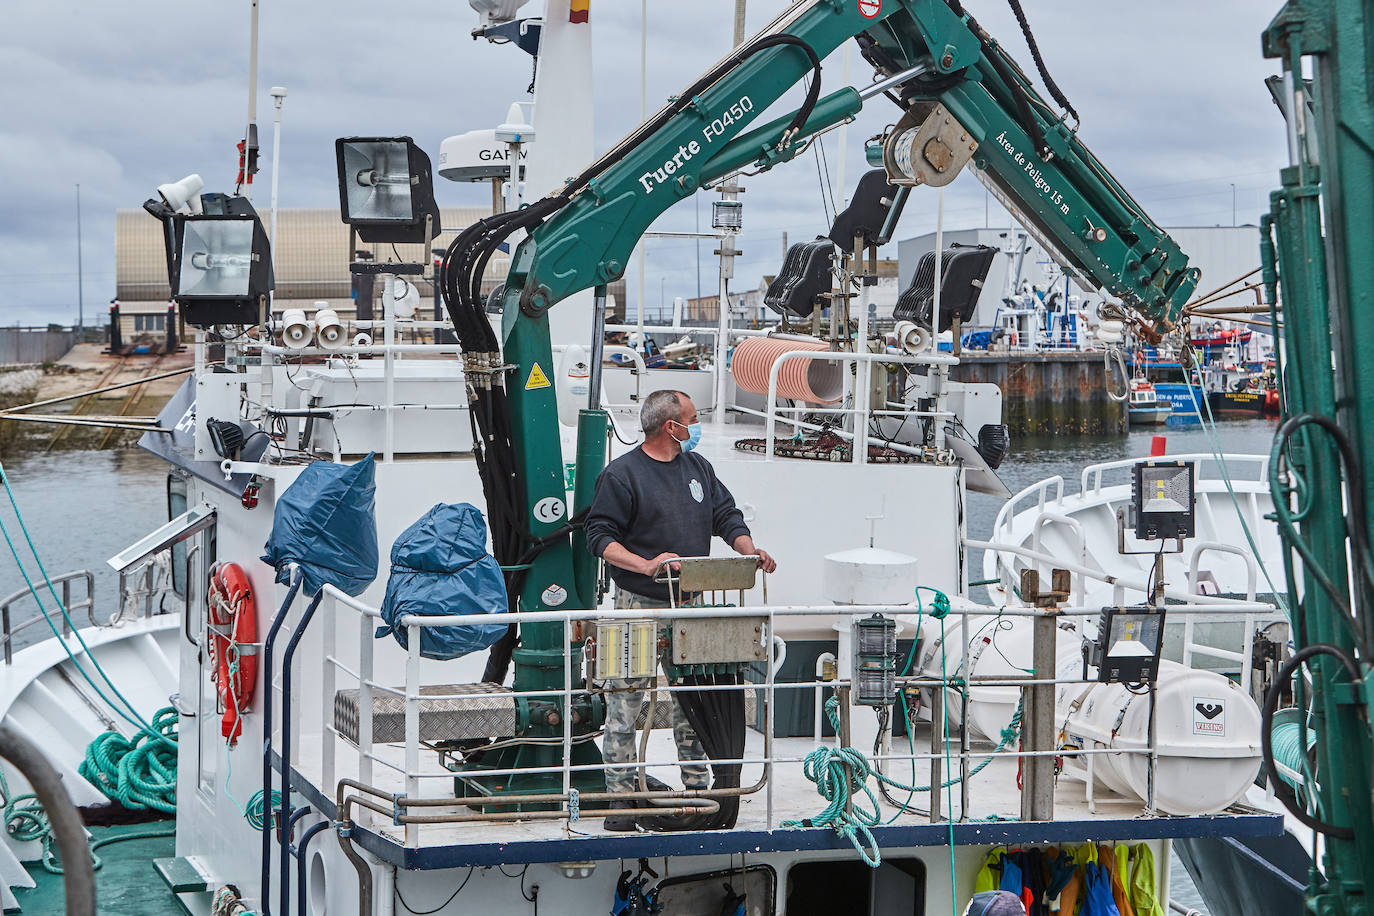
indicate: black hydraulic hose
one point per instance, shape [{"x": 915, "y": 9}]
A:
[
  {"x": 1282, "y": 790},
  {"x": 301, "y": 848},
  {"x": 1055, "y": 92},
  {"x": 78, "y": 874},
  {"x": 1356, "y": 521},
  {"x": 284, "y": 879},
  {"x": 1004, "y": 72},
  {"x": 268, "y": 644}
]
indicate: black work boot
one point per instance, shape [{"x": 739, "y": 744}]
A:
[{"x": 621, "y": 823}]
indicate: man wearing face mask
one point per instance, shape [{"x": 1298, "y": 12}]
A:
[{"x": 656, "y": 503}]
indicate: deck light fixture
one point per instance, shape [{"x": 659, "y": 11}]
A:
[
  {"x": 1126, "y": 650},
  {"x": 219, "y": 262},
  {"x": 1162, "y": 500},
  {"x": 727, "y": 215},
  {"x": 386, "y": 189},
  {"x": 223, "y": 268},
  {"x": 875, "y": 661}
]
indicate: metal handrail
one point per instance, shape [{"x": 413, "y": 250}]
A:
[
  {"x": 1039, "y": 490},
  {"x": 87, "y": 604},
  {"x": 405, "y": 762}
]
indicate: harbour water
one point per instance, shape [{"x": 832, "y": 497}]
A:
[{"x": 80, "y": 508}]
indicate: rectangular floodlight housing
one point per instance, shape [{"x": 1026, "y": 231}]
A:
[
  {"x": 386, "y": 189},
  {"x": 1162, "y": 497},
  {"x": 221, "y": 265},
  {"x": 1128, "y": 644}
]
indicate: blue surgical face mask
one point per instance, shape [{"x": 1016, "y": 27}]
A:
[{"x": 693, "y": 437}]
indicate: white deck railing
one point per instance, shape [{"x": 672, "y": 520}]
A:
[{"x": 401, "y": 777}]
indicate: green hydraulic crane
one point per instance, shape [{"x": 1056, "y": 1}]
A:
[
  {"x": 963, "y": 102},
  {"x": 1315, "y": 253}
]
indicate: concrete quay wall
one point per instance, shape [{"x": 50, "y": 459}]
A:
[{"x": 1049, "y": 394}]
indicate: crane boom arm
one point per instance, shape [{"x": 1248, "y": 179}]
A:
[{"x": 581, "y": 237}]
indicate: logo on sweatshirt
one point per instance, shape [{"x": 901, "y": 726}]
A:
[{"x": 697, "y": 492}]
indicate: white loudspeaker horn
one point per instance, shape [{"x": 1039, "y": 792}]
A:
[
  {"x": 911, "y": 337},
  {"x": 329, "y": 329},
  {"x": 182, "y": 196},
  {"x": 296, "y": 330}
]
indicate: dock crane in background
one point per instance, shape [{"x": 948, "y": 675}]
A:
[{"x": 962, "y": 102}]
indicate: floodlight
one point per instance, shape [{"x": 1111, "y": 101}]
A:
[
  {"x": 329, "y": 329},
  {"x": 216, "y": 257},
  {"x": 1126, "y": 650},
  {"x": 386, "y": 189},
  {"x": 223, "y": 267},
  {"x": 1162, "y": 499},
  {"x": 297, "y": 331},
  {"x": 182, "y": 196}
]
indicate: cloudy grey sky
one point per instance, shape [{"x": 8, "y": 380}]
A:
[{"x": 120, "y": 97}]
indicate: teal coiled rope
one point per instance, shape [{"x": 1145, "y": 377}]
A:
[
  {"x": 140, "y": 774},
  {"x": 841, "y": 777},
  {"x": 841, "y": 773}
]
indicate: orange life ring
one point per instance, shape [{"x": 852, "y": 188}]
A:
[{"x": 233, "y": 630}]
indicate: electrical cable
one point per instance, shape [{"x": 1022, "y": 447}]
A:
[
  {"x": 415, "y": 912},
  {"x": 1356, "y": 527},
  {"x": 1003, "y": 67}
]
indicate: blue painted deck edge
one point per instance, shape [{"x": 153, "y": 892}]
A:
[{"x": 652, "y": 845}]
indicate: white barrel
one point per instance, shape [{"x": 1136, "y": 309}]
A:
[{"x": 1207, "y": 732}]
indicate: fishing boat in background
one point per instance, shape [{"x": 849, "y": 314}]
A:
[
  {"x": 1144, "y": 407},
  {"x": 1216, "y": 337}
]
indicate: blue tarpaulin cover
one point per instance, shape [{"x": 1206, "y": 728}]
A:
[
  {"x": 440, "y": 565},
  {"x": 325, "y": 522}
]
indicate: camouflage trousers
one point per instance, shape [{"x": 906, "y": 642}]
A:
[{"x": 624, "y": 700}]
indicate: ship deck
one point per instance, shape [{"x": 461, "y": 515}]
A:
[{"x": 993, "y": 815}]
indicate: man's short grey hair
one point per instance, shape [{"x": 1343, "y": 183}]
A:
[{"x": 659, "y": 408}]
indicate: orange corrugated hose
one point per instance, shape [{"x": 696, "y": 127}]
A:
[{"x": 815, "y": 381}]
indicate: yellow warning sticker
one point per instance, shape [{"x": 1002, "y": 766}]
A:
[{"x": 537, "y": 379}]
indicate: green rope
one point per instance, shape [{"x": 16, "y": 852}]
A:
[
  {"x": 131, "y": 716},
  {"x": 53, "y": 863},
  {"x": 1209, "y": 427},
  {"x": 841, "y": 773},
  {"x": 257, "y": 817},
  {"x": 138, "y": 773}
]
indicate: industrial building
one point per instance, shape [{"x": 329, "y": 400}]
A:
[{"x": 310, "y": 257}]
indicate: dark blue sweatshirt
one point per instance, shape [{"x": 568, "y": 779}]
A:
[{"x": 652, "y": 507}]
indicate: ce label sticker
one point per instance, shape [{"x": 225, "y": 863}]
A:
[{"x": 549, "y": 509}]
